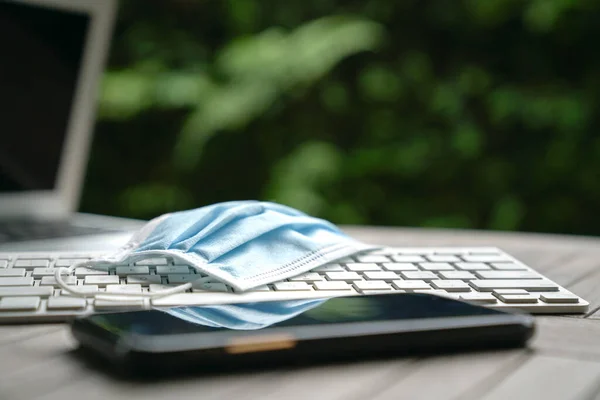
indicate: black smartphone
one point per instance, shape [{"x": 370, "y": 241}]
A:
[{"x": 338, "y": 329}]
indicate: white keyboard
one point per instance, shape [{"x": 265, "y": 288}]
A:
[{"x": 486, "y": 276}]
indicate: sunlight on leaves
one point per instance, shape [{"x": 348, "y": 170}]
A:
[{"x": 298, "y": 179}]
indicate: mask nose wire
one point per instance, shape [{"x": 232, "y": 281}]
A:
[{"x": 74, "y": 289}]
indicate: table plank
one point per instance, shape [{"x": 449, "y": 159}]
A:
[
  {"x": 549, "y": 378},
  {"x": 354, "y": 380},
  {"x": 576, "y": 338},
  {"x": 460, "y": 373},
  {"x": 575, "y": 269},
  {"x": 587, "y": 288}
]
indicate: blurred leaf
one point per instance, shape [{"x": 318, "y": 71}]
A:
[
  {"x": 298, "y": 179},
  {"x": 473, "y": 80},
  {"x": 182, "y": 89},
  {"x": 334, "y": 96},
  {"x": 542, "y": 15},
  {"x": 491, "y": 12},
  {"x": 504, "y": 104},
  {"x": 227, "y": 109},
  {"x": 380, "y": 84},
  {"x": 447, "y": 101},
  {"x": 507, "y": 214},
  {"x": 261, "y": 67},
  {"x": 124, "y": 94},
  {"x": 417, "y": 67},
  {"x": 467, "y": 140},
  {"x": 154, "y": 199},
  {"x": 455, "y": 221},
  {"x": 244, "y": 14}
]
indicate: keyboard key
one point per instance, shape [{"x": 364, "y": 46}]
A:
[
  {"x": 343, "y": 276},
  {"x": 40, "y": 256},
  {"x": 143, "y": 279},
  {"x": 332, "y": 285},
  {"x": 373, "y": 259},
  {"x": 153, "y": 261},
  {"x": 175, "y": 269},
  {"x": 437, "y": 292},
  {"x": 371, "y": 285},
  {"x": 372, "y": 292},
  {"x": 31, "y": 264},
  {"x": 509, "y": 267},
  {"x": 12, "y": 272},
  {"x": 408, "y": 258},
  {"x": 420, "y": 275},
  {"x": 358, "y": 267},
  {"x": 182, "y": 278},
  {"x": 385, "y": 251},
  {"x": 43, "y": 291},
  {"x": 26, "y": 303},
  {"x": 82, "y": 272},
  {"x": 518, "y": 298},
  {"x": 294, "y": 286},
  {"x": 3, "y": 263},
  {"x": 16, "y": 281},
  {"x": 209, "y": 287},
  {"x": 474, "y": 297},
  {"x": 436, "y": 266},
  {"x": 329, "y": 268},
  {"x": 67, "y": 262},
  {"x": 125, "y": 271},
  {"x": 400, "y": 267},
  {"x": 66, "y": 303},
  {"x": 263, "y": 288},
  {"x": 443, "y": 258},
  {"x": 510, "y": 291},
  {"x": 451, "y": 285},
  {"x": 485, "y": 258},
  {"x": 105, "y": 304},
  {"x": 81, "y": 288},
  {"x": 508, "y": 275},
  {"x": 123, "y": 288},
  {"x": 532, "y": 285},
  {"x": 307, "y": 277},
  {"x": 191, "y": 299},
  {"x": 553, "y": 298},
  {"x": 39, "y": 272},
  {"x": 51, "y": 281},
  {"x": 472, "y": 266},
  {"x": 411, "y": 285},
  {"x": 381, "y": 275},
  {"x": 462, "y": 275},
  {"x": 159, "y": 288},
  {"x": 101, "y": 280}
]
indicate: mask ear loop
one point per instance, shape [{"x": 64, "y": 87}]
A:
[{"x": 72, "y": 289}]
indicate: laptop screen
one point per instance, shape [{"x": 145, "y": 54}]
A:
[{"x": 41, "y": 50}]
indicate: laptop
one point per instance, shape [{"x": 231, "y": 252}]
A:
[{"x": 53, "y": 54}]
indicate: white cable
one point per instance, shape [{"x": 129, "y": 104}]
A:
[{"x": 73, "y": 289}]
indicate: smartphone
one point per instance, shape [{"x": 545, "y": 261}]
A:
[{"x": 338, "y": 329}]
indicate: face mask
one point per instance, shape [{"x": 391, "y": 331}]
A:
[
  {"x": 243, "y": 244},
  {"x": 244, "y": 316}
]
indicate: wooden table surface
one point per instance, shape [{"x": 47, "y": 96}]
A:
[{"x": 562, "y": 361}]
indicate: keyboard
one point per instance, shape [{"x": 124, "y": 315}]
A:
[
  {"x": 485, "y": 276},
  {"x": 16, "y": 231}
]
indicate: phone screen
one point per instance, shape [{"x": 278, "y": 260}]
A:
[{"x": 332, "y": 311}]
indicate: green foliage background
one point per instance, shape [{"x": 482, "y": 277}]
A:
[{"x": 469, "y": 114}]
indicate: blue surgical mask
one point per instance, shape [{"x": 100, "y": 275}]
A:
[
  {"x": 244, "y": 244},
  {"x": 244, "y": 316}
]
